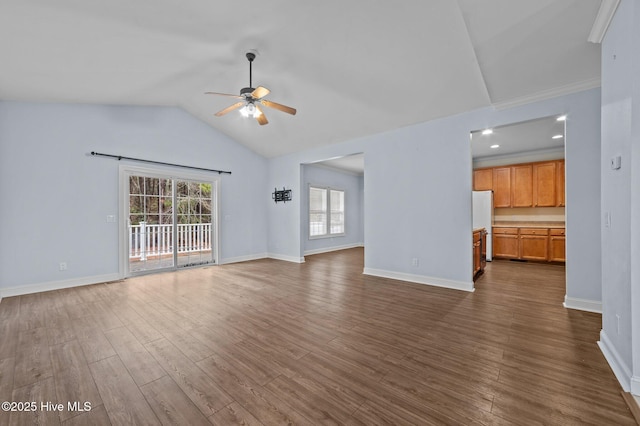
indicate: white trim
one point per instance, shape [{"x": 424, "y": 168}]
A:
[
  {"x": 57, "y": 285},
  {"x": 335, "y": 169},
  {"x": 549, "y": 93},
  {"x": 635, "y": 388},
  {"x": 163, "y": 172},
  {"x": 421, "y": 279},
  {"x": 582, "y": 304},
  {"x": 620, "y": 369},
  {"x": 285, "y": 257},
  {"x": 328, "y": 190},
  {"x": 555, "y": 152},
  {"x": 246, "y": 258},
  {"x": 602, "y": 21},
  {"x": 335, "y": 248}
]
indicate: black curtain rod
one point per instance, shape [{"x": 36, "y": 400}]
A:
[{"x": 122, "y": 157}]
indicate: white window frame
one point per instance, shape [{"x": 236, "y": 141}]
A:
[
  {"x": 126, "y": 170},
  {"x": 328, "y": 233}
]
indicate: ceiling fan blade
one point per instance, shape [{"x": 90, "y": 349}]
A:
[
  {"x": 223, "y": 94},
  {"x": 262, "y": 119},
  {"x": 278, "y": 106},
  {"x": 229, "y": 109},
  {"x": 260, "y": 92}
]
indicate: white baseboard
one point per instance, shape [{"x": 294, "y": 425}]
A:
[
  {"x": 635, "y": 388},
  {"x": 330, "y": 249},
  {"x": 285, "y": 257},
  {"x": 57, "y": 285},
  {"x": 582, "y": 304},
  {"x": 244, "y": 258},
  {"x": 617, "y": 364},
  {"x": 421, "y": 279}
]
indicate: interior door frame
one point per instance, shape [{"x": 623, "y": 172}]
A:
[{"x": 126, "y": 170}]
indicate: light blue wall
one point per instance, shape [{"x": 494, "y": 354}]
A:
[
  {"x": 417, "y": 188},
  {"x": 620, "y": 336},
  {"x": 417, "y": 194},
  {"x": 354, "y": 225},
  {"x": 56, "y": 197}
]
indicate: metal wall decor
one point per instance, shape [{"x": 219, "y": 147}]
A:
[{"x": 284, "y": 195}]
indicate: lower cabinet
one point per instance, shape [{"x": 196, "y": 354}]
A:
[
  {"x": 541, "y": 244},
  {"x": 505, "y": 243},
  {"x": 534, "y": 244},
  {"x": 479, "y": 252},
  {"x": 557, "y": 245}
]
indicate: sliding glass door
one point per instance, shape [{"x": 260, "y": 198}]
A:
[
  {"x": 170, "y": 222},
  {"x": 193, "y": 208},
  {"x": 150, "y": 224}
]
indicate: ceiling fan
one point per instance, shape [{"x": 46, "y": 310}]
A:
[{"x": 251, "y": 99}]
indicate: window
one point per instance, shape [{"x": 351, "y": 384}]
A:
[{"x": 326, "y": 212}]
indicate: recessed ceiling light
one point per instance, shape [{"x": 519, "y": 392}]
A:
[
  {"x": 561, "y": 118},
  {"x": 487, "y": 131},
  {"x": 494, "y": 146},
  {"x": 556, "y": 137}
]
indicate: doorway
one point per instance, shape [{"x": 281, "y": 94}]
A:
[
  {"x": 170, "y": 221},
  {"x": 521, "y": 167}
]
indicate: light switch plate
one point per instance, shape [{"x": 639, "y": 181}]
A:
[{"x": 616, "y": 162}]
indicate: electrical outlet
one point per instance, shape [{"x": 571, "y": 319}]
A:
[
  {"x": 63, "y": 266},
  {"x": 111, "y": 218},
  {"x": 618, "y": 323},
  {"x": 414, "y": 262}
]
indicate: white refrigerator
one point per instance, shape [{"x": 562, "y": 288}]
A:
[{"x": 483, "y": 216}]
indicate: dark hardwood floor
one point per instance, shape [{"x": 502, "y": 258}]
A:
[{"x": 270, "y": 342}]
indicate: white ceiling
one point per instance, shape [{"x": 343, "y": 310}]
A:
[
  {"x": 353, "y": 164},
  {"x": 519, "y": 138},
  {"x": 350, "y": 68}
]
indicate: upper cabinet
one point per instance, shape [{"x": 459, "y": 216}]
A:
[
  {"x": 560, "y": 183},
  {"x": 544, "y": 184},
  {"x": 483, "y": 180},
  {"x": 523, "y": 185},
  {"x": 501, "y": 187}
]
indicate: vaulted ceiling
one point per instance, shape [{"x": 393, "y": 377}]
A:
[{"x": 351, "y": 68}]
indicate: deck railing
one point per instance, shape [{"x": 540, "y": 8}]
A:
[{"x": 146, "y": 240}]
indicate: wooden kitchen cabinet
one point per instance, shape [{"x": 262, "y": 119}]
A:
[
  {"x": 522, "y": 186},
  {"x": 557, "y": 245},
  {"x": 505, "y": 243},
  {"x": 483, "y": 180},
  {"x": 541, "y": 244},
  {"x": 502, "y": 187},
  {"x": 534, "y": 243},
  {"x": 560, "y": 183},
  {"x": 477, "y": 253},
  {"x": 545, "y": 184}
]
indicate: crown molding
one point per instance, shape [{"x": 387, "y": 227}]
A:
[
  {"x": 549, "y": 93},
  {"x": 602, "y": 21}
]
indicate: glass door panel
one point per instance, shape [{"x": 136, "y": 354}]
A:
[
  {"x": 194, "y": 225},
  {"x": 150, "y": 224}
]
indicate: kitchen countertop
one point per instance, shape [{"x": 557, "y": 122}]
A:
[
  {"x": 479, "y": 229},
  {"x": 509, "y": 224}
]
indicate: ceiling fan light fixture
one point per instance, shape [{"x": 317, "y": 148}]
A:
[{"x": 250, "y": 110}]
